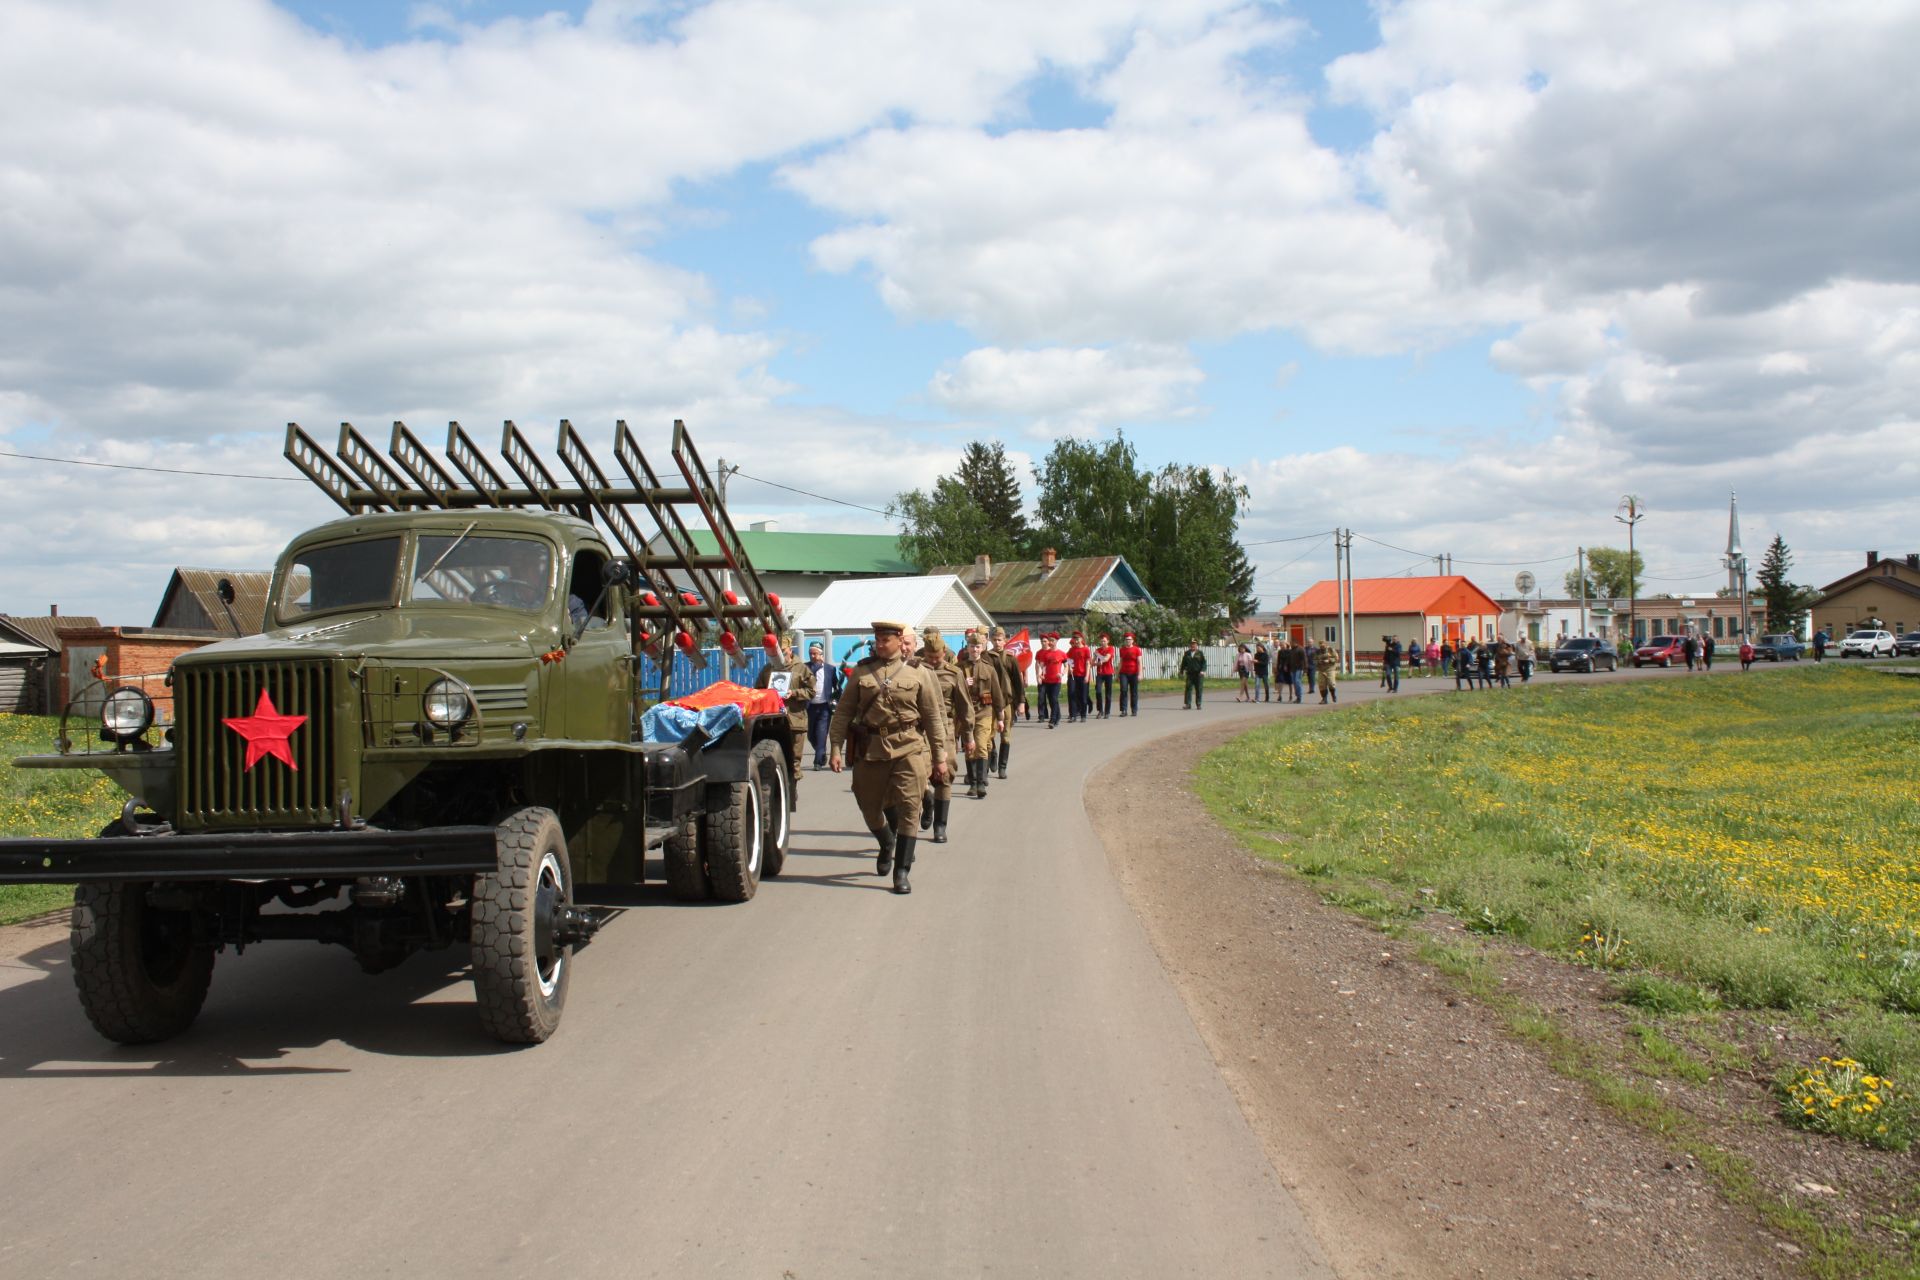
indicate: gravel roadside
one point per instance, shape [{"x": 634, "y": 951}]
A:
[{"x": 1420, "y": 1138}]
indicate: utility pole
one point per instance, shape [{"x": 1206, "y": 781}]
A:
[
  {"x": 1630, "y": 513},
  {"x": 1583, "y": 590}
]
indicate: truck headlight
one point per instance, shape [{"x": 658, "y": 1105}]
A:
[
  {"x": 126, "y": 714},
  {"x": 448, "y": 704}
]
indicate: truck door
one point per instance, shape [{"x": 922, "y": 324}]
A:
[{"x": 596, "y": 679}]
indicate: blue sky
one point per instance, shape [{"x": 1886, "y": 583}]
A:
[{"x": 1426, "y": 269}]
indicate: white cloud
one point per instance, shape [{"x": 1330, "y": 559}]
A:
[{"x": 1071, "y": 391}]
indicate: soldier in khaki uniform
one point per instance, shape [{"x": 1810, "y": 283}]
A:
[
  {"x": 985, "y": 689},
  {"x": 933, "y": 658},
  {"x": 889, "y": 713},
  {"x": 800, "y": 686},
  {"x": 1016, "y": 686}
]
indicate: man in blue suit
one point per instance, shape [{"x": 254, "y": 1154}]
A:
[{"x": 826, "y": 691}]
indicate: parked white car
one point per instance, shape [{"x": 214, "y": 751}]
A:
[{"x": 1867, "y": 644}]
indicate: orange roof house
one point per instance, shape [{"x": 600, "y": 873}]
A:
[{"x": 1444, "y": 608}]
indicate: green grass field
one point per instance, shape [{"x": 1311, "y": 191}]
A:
[
  {"x": 46, "y": 802},
  {"x": 1741, "y": 842},
  {"x": 1740, "y": 855}
]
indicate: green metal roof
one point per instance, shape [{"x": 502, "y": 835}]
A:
[{"x": 776, "y": 552}]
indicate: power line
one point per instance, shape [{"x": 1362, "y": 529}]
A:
[
  {"x": 1301, "y": 537},
  {"x": 129, "y": 466},
  {"x": 821, "y": 497}
]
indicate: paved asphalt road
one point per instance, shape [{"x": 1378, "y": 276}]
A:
[{"x": 993, "y": 1076}]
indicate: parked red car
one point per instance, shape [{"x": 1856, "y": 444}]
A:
[{"x": 1662, "y": 651}]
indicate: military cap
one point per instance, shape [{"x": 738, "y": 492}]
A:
[
  {"x": 886, "y": 625},
  {"x": 998, "y": 633}
]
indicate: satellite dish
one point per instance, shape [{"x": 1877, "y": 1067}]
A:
[{"x": 1523, "y": 582}]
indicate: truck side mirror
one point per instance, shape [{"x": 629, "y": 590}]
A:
[{"x": 618, "y": 573}]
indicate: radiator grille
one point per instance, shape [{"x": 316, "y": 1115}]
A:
[{"x": 216, "y": 787}]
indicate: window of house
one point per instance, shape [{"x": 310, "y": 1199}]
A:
[{"x": 1332, "y": 634}]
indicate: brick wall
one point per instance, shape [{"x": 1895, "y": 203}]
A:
[{"x": 136, "y": 656}]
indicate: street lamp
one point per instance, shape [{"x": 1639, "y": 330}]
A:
[{"x": 1631, "y": 512}]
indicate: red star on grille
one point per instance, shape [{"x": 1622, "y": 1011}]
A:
[{"x": 267, "y": 732}]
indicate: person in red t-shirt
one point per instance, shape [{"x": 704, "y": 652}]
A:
[
  {"x": 1079, "y": 659},
  {"x": 1051, "y": 662},
  {"x": 1103, "y": 659},
  {"x": 1129, "y": 675}
]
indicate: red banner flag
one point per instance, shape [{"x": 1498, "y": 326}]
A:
[{"x": 1021, "y": 647}]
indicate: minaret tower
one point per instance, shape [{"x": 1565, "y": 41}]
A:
[{"x": 1735, "y": 555}]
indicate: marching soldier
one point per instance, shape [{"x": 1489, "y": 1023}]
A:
[
  {"x": 1015, "y": 682},
  {"x": 799, "y": 692},
  {"x": 888, "y": 715},
  {"x": 937, "y": 802},
  {"x": 984, "y": 688}
]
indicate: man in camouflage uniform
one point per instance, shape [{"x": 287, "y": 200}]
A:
[
  {"x": 933, "y": 658},
  {"x": 983, "y": 685},
  {"x": 889, "y": 714},
  {"x": 800, "y": 686},
  {"x": 1015, "y": 682}
]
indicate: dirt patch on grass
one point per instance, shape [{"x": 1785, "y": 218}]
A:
[{"x": 1421, "y": 1137}]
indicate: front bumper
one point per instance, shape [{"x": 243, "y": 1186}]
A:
[{"x": 250, "y": 855}]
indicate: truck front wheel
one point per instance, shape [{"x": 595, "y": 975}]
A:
[
  {"x": 142, "y": 972},
  {"x": 519, "y": 972}
]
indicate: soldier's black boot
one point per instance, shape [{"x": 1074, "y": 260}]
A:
[
  {"x": 926, "y": 809},
  {"x": 887, "y": 841},
  {"x": 985, "y": 772},
  {"x": 904, "y": 865},
  {"x": 941, "y": 808},
  {"x": 1005, "y": 749},
  {"x": 977, "y": 782}
]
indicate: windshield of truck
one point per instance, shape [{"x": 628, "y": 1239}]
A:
[
  {"x": 468, "y": 568},
  {"x": 340, "y": 575}
]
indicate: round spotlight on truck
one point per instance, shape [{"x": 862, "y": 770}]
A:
[
  {"x": 448, "y": 705},
  {"x": 126, "y": 714}
]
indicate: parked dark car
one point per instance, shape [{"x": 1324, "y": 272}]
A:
[
  {"x": 1661, "y": 651},
  {"x": 1907, "y": 645},
  {"x": 1778, "y": 649},
  {"x": 1583, "y": 653}
]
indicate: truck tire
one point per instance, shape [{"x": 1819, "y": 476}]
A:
[
  {"x": 519, "y": 991},
  {"x": 736, "y": 837},
  {"x": 685, "y": 865},
  {"x": 142, "y": 973},
  {"x": 767, "y": 766}
]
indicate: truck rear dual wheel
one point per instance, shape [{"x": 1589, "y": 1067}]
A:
[
  {"x": 746, "y": 835},
  {"x": 685, "y": 862},
  {"x": 141, "y": 972},
  {"x": 519, "y": 974}
]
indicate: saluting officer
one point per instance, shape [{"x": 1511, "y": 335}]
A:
[
  {"x": 934, "y": 659},
  {"x": 889, "y": 713}
]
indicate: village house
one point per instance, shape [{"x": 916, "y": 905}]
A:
[
  {"x": 1447, "y": 609},
  {"x": 1051, "y": 594},
  {"x": 1886, "y": 591},
  {"x": 799, "y": 567}
]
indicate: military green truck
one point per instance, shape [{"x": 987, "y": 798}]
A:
[{"x": 436, "y": 740}]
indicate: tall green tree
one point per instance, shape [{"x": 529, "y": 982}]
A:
[
  {"x": 1092, "y": 500},
  {"x": 989, "y": 478},
  {"x": 947, "y": 526},
  {"x": 1177, "y": 526},
  {"x": 1787, "y": 602},
  {"x": 1607, "y": 574}
]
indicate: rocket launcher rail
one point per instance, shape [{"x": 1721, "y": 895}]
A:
[{"x": 360, "y": 479}]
